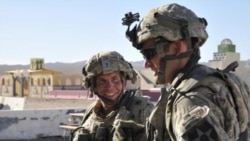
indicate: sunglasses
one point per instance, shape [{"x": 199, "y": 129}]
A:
[{"x": 149, "y": 53}]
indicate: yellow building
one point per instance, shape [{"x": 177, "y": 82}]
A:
[{"x": 36, "y": 81}]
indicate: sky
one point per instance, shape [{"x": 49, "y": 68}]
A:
[{"x": 73, "y": 30}]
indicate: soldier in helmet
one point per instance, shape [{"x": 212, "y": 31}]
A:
[
  {"x": 106, "y": 74},
  {"x": 197, "y": 103}
]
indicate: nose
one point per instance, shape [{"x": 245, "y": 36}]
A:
[{"x": 109, "y": 84}]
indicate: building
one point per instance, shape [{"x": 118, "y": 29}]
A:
[
  {"x": 226, "y": 54},
  {"x": 37, "y": 81}
]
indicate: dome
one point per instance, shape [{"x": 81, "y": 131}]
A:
[{"x": 226, "y": 42}]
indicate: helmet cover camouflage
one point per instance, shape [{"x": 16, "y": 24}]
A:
[
  {"x": 165, "y": 21},
  {"x": 107, "y": 62}
]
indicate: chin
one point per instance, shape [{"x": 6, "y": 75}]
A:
[{"x": 112, "y": 97}]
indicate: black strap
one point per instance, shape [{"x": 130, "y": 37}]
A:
[
  {"x": 244, "y": 136},
  {"x": 231, "y": 67},
  {"x": 125, "y": 99}
]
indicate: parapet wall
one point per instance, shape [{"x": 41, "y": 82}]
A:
[{"x": 33, "y": 124}]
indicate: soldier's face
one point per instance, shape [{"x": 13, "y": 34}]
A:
[
  {"x": 172, "y": 66},
  {"x": 109, "y": 85},
  {"x": 151, "y": 60}
]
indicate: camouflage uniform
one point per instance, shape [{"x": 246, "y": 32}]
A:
[
  {"x": 201, "y": 103},
  {"x": 97, "y": 124},
  {"x": 139, "y": 109},
  {"x": 202, "y": 107}
]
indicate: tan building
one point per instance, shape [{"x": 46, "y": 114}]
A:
[
  {"x": 226, "y": 54},
  {"x": 36, "y": 81}
]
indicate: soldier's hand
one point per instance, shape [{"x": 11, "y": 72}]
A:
[{"x": 127, "y": 130}]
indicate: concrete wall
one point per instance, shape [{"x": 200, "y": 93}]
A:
[
  {"x": 33, "y": 124},
  {"x": 12, "y": 103}
]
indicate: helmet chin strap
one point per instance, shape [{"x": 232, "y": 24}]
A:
[
  {"x": 164, "y": 58},
  {"x": 187, "y": 68},
  {"x": 161, "y": 71},
  {"x": 163, "y": 62}
]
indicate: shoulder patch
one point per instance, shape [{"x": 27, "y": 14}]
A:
[{"x": 192, "y": 118}]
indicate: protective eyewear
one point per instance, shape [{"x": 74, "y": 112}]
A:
[{"x": 149, "y": 53}]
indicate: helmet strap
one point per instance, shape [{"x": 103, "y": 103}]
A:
[
  {"x": 193, "y": 52},
  {"x": 187, "y": 68},
  {"x": 161, "y": 71},
  {"x": 186, "y": 34},
  {"x": 163, "y": 62}
]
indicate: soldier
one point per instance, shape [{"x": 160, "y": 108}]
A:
[
  {"x": 197, "y": 103},
  {"x": 106, "y": 74}
]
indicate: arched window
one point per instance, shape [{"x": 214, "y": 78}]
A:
[
  {"x": 3, "y": 81},
  {"x": 49, "y": 81},
  {"x": 32, "y": 82},
  {"x": 44, "y": 82}
]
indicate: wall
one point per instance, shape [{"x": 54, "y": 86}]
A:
[
  {"x": 33, "y": 124},
  {"x": 12, "y": 103}
]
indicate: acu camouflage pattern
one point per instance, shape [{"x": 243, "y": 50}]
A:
[
  {"x": 206, "y": 106},
  {"x": 168, "y": 26},
  {"x": 155, "y": 127},
  {"x": 107, "y": 62},
  {"x": 138, "y": 111}
]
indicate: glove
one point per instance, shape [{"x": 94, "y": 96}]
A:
[{"x": 128, "y": 130}]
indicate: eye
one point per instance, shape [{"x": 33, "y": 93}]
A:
[
  {"x": 100, "y": 81},
  {"x": 116, "y": 79},
  {"x": 148, "y": 53}
]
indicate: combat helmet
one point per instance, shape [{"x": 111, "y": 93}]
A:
[
  {"x": 170, "y": 21},
  {"x": 106, "y": 62},
  {"x": 167, "y": 23}
]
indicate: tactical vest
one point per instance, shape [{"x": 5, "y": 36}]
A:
[
  {"x": 134, "y": 104},
  {"x": 239, "y": 98}
]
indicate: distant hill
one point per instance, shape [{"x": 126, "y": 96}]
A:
[
  {"x": 67, "y": 68},
  {"x": 76, "y": 67}
]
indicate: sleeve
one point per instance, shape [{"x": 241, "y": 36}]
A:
[
  {"x": 197, "y": 126},
  {"x": 146, "y": 111},
  {"x": 196, "y": 118}
]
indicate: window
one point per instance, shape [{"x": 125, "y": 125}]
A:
[
  {"x": 49, "y": 81},
  {"x": 3, "y": 81}
]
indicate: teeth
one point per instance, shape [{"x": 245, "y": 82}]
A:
[{"x": 110, "y": 94}]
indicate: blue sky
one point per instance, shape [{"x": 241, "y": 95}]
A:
[{"x": 73, "y": 30}]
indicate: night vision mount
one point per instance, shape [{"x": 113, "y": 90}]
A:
[{"x": 128, "y": 20}]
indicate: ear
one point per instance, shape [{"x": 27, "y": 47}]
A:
[
  {"x": 124, "y": 82},
  {"x": 179, "y": 47}
]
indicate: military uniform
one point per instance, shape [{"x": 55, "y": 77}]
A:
[
  {"x": 201, "y": 103},
  {"x": 98, "y": 124},
  {"x": 202, "y": 107}
]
